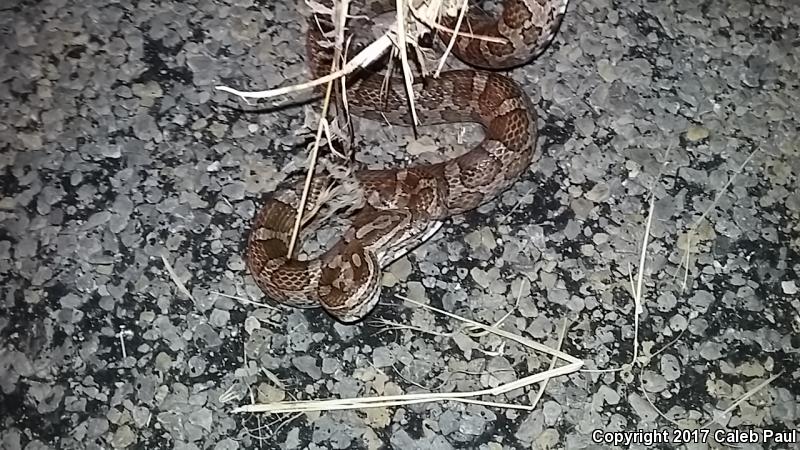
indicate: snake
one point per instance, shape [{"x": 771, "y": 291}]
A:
[{"x": 404, "y": 207}]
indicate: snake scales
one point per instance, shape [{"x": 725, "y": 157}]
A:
[{"x": 405, "y": 207}]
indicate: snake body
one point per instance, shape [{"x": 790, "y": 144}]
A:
[{"x": 406, "y": 206}]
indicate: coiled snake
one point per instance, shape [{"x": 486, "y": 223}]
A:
[{"x": 406, "y": 206}]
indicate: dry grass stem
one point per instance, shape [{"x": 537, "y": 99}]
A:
[
  {"x": 517, "y": 204},
  {"x": 340, "y": 22},
  {"x": 391, "y": 325},
  {"x": 636, "y": 291},
  {"x": 744, "y": 397},
  {"x": 573, "y": 364},
  {"x": 408, "y": 76},
  {"x": 462, "y": 12},
  {"x": 510, "y": 336},
  {"x": 650, "y": 401},
  {"x": 181, "y": 287},
  {"x": 473, "y": 333},
  {"x": 693, "y": 230},
  {"x": 244, "y": 300},
  {"x": 428, "y": 14},
  {"x": 364, "y": 58},
  {"x": 543, "y": 384},
  {"x": 372, "y": 52}
]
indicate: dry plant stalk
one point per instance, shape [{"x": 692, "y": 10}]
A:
[
  {"x": 397, "y": 37},
  {"x": 462, "y": 12},
  {"x": 339, "y": 27},
  {"x": 637, "y": 289},
  {"x": 693, "y": 230},
  {"x": 573, "y": 364},
  {"x": 174, "y": 276},
  {"x": 372, "y": 52}
]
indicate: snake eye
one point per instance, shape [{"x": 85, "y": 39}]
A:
[{"x": 425, "y": 40}]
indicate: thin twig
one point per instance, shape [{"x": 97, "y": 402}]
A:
[
  {"x": 408, "y": 76},
  {"x": 637, "y": 293},
  {"x": 649, "y": 400},
  {"x": 422, "y": 15},
  {"x": 741, "y": 399},
  {"x": 511, "y": 336},
  {"x": 553, "y": 361},
  {"x": 181, "y": 287},
  {"x": 397, "y": 400},
  {"x": 452, "y": 42},
  {"x": 320, "y": 129},
  {"x": 370, "y": 53},
  {"x": 693, "y": 229}
]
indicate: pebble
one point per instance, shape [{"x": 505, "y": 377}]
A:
[
  {"x": 695, "y": 133},
  {"x": 308, "y": 366}
]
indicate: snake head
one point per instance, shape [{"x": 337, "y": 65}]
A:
[{"x": 350, "y": 282}]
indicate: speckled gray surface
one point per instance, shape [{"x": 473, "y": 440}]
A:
[{"x": 115, "y": 150}]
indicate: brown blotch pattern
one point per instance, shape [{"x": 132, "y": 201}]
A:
[{"x": 345, "y": 279}]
